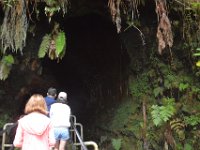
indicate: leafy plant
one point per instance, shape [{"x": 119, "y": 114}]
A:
[
  {"x": 44, "y": 46},
  {"x": 192, "y": 120},
  {"x": 139, "y": 86},
  {"x": 5, "y": 66},
  {"x": 60, "y": 44},
  {"x": 183, "y": 86},
  {"x": 116, "y": 143},
  {"x": 157, "y": 91},
  {"x": 162, "y": 114},
  {"x": 54, "y": 45}
]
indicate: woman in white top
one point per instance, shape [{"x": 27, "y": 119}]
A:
[{"x": 60, "y": 116}]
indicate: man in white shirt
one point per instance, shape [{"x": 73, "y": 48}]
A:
[{"x": 60, "y": 116}]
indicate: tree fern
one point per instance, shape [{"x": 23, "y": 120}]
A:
[{"x": 44, "y": 46}]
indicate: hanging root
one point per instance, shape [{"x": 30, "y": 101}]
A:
[{"x": 14, "y": 27}]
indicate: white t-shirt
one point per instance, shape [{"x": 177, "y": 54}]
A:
[{"x": 60, "y": 115}]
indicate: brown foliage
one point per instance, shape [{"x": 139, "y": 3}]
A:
[
  {"x": 164, "y": 32},
  {"x": 114, "y": 6}
]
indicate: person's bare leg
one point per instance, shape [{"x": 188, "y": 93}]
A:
[
  {"x": 57, "y": 145},
  {"x": 62, "y": 145}
]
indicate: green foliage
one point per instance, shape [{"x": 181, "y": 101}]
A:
[
  {"x": 156, "y": 115},
  {"x": 195, "y": 5},
  {"x": 116, "y": 143},
  {"x": 183, "y": 86},
  {"x": 161, "y": 114},
  {"x": 5, "y": 66},
  {"x": 122, "y": 115},
  {"x": 60, "y": 44},
  {"x": 54, "y": 45},
  {"x": 192, "y": 120},
  {"x": 139, "y": 86},
  {"x": 8, "y": 60},
  {"x": 158, "y": 91},
  {"x": 188, "y": 146},
  {"x": 197, "y": 54},
  {"x": 4, "y": 118},
  {"x": 44, "y": 46}
]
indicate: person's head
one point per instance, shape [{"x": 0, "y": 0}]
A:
[
  {"x": 62, "y": 97},
  {"x": 52, "y": 92},
  {"x": 36, "y": 103}
]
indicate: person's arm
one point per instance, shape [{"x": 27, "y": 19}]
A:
[
  {"x": 18, "y": 140},
  {"x": 52, "y": 140},
  {"x": 51, "y": 112}
]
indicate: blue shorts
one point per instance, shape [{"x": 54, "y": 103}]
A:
[{"x": 61, "y": 133}]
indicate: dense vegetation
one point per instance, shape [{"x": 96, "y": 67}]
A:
[{"x": 161, "y": 109}]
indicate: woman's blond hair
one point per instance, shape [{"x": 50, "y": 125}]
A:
[{"x": 36, "y": 103}]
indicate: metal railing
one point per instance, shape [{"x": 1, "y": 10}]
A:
[
  {"x": 76, "y": 131},
  {"x": 4, "y": 144},
  {"x": 89, "y": 143}
]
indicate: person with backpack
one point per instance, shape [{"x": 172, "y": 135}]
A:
[{"x": 60, "y": 116}]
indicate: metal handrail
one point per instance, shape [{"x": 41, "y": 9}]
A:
[
  {"x": 73, "y": 133},
  {"x": 78, "y": 135},
  {"x": 88, "y": 143},
  {"x": 4, "y": 137}
]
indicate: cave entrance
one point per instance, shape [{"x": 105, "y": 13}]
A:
[{"x": 92, "y": 70}]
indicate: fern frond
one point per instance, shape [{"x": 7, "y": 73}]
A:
[
  {"x": 178, "y": 126},
  {"x": 44, "y": 46},
  {"x": 60, "y": 42}
]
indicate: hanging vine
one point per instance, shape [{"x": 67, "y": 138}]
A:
[{"x": 127, "y": 7}]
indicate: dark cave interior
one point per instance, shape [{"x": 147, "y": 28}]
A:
[{"x": 93, "y": 66}]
